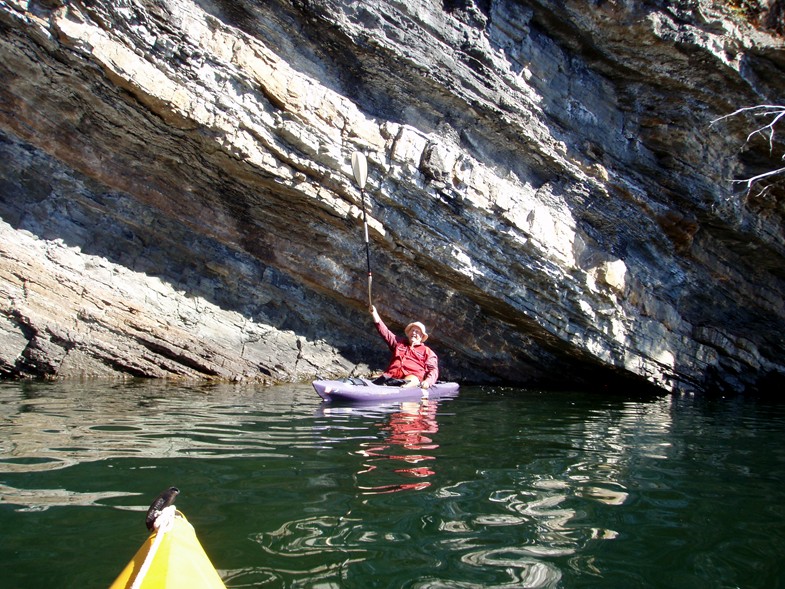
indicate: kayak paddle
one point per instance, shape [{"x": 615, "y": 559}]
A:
[{"x": 360, "y": 169}]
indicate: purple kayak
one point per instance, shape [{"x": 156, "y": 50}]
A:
[{"x": 359, "y": 390}]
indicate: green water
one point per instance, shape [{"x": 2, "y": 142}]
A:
[{"x": 494, "y": 488}]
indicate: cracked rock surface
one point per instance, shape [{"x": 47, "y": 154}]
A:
[{"x": 546, "y": 190}]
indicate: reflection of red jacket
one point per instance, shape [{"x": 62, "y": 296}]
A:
[{"x": 418, "y": 360}]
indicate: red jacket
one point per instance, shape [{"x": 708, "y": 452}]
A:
[{"x": 419, "y": 360}]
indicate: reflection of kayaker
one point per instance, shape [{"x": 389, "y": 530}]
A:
[
  {"x": 408, "y": 426},
  {"x": 407, "y": 429},
  {"x": 412, "y": 362}
]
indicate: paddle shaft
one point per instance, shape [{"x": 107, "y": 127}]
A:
[
  {"x": 367, "y": 249},
  {"x": 360, "y": 169}
]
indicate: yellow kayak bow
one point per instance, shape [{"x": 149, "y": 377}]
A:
[{"x": 175, "y": 560}]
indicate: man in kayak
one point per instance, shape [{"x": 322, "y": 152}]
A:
[{"x": 412, "y": 361}]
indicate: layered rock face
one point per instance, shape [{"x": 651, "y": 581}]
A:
[{"x": 546, "y": 191}]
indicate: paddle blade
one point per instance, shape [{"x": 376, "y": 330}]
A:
[{"x": 360, "y": 168}]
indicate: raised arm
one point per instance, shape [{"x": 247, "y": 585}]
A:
[{"x": 386, "y": 334}]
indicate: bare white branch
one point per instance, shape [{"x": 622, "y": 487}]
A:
[
  {"x": 760, "y": 107},
  {"x": 750, "y": 181},
  {"x": 776, "y": 112}
]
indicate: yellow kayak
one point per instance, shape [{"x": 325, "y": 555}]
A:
[{"x": 177, "y": 561}]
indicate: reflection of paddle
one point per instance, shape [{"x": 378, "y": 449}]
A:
[{"x": 360, "y": 169}]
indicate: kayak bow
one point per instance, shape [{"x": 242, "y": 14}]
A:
[{"x": 176, "y": 561}]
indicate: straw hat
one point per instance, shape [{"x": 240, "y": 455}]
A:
[{"x": 416, "y": 324}]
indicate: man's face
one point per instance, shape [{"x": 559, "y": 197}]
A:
[{"x": 415, "y": 335}]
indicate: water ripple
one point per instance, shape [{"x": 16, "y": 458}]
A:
[
  {"x": 43, "y": 499},
  {"x": 494, "y": 489},
  {"x": 55, "y": 431}
]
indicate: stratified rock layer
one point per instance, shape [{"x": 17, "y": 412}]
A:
[{"x": 545, "y": 192}]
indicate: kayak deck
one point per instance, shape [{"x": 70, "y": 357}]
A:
[
  {"x": 360, "y": 390},
  {"x": 179, "y": 562}
]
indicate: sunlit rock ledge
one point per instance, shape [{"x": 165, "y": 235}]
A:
[{"x": 545, "y": 191}]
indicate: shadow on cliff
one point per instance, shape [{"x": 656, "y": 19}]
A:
[
  {"x": 56, "y": 204},
  {"x": 42, "y": 196}
]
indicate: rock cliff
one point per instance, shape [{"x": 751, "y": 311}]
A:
[{"x": 546, "y": 191}]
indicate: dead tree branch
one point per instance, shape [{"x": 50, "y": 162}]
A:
[{"x": 774, "y": 113}]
